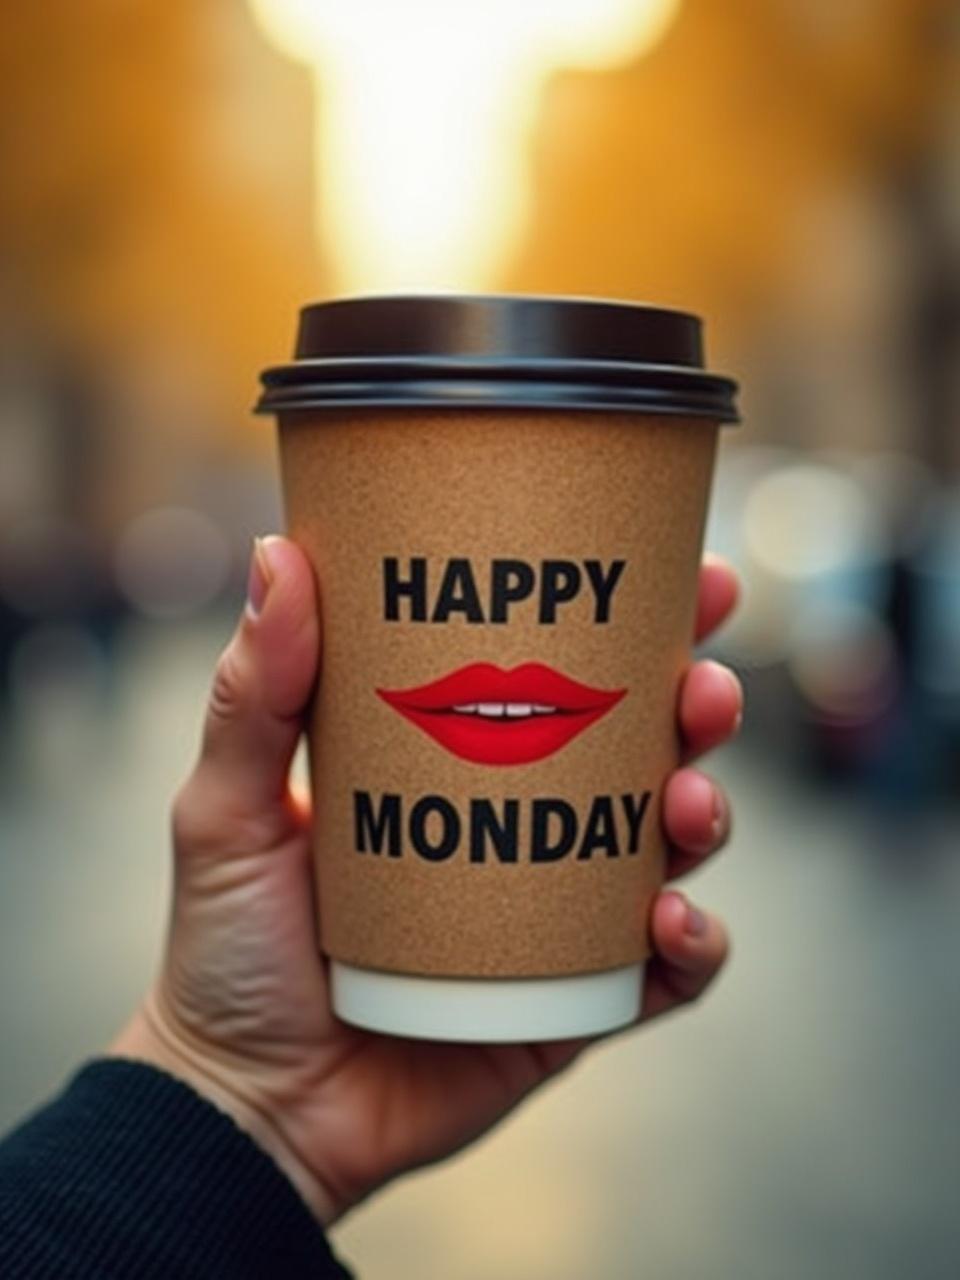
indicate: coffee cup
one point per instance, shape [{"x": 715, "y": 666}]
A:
[{"x": 503, "y": 499}]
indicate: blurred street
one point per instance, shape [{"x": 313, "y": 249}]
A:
[{"x": 799, "y": 1123}]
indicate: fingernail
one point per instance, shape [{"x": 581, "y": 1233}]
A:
[
  {"x": 719, "y": 814},
  {"x": 735, "y": 684},
  {"x": 258, "y": 583},
  {"x": 737, "y": 687},
  {"x": 713, "y": 560},
  {"x": 696, "y": 922}
]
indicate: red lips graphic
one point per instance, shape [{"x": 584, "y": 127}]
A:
[{"x": 487, "y": 715}]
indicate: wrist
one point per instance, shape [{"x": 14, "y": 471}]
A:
[{"x": 148, "y": 1037}]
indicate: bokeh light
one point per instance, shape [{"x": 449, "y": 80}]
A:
[
  {"x": 843, "y": 658},
  {"x": 807, "y": 521},
  {"x": 171, "y": 561}
]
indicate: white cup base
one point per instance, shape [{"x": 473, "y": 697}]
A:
[{"x": 486, "y": 1010}]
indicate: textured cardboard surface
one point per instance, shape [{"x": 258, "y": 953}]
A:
[{"x": 524, "y": 485}]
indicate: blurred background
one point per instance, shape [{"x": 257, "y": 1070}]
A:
[{"x": 178, "y": 179}]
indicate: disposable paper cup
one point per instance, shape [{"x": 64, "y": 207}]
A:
[{"x": 503, "y": 499}]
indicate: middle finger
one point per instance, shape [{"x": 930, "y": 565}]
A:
[{"x": 710, "y": 707}]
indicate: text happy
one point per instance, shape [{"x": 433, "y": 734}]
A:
[{"x": 414, "y": 593}]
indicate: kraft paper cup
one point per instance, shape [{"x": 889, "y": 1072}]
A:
[{"x": 503, "y": 499}]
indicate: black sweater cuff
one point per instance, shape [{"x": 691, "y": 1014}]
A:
[{"x": 130, "y": 1173}]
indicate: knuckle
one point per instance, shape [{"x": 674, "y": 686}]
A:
[
  {"x": 193, "y": 822},
  {"x": 209, "y": 819},
  {"x": 227, "y": 690}
]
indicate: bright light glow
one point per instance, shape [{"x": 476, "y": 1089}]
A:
[
  {"x": 808, "y": 520},
  {"x": 424, "y": 109}
]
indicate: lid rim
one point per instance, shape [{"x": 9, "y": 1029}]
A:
[
  {"x": 491, "y": 366},
  {"x": 498, "y": 350},
  {"x": 714, "y": 402}
]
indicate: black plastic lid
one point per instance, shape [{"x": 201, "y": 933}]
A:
[{"x": 505, "y": 350}]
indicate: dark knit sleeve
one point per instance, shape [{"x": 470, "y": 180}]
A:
[{"x": 130, "y": 1173}]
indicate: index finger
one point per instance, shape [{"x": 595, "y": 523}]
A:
[{"x": 717, "y": 593}]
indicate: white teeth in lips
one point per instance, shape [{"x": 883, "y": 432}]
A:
[{"x": 504, "y": 710}]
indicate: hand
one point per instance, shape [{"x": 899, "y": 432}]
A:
[{"x": 241, "y": 1007}]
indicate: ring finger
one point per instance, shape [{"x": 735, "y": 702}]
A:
[{"x": 696, "y": 816}]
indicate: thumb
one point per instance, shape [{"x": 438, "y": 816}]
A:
[{"x": 255, "y": 714}]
